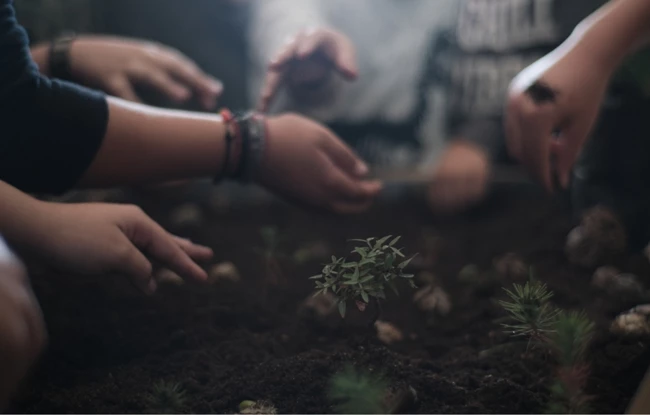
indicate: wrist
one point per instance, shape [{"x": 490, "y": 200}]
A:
[{"x": 59, "y": 60}]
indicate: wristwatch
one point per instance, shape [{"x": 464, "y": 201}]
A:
[{"x": 59, "y": 59}]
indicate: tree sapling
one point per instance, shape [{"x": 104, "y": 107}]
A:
[
  {"x": 166, "y": 398},
  {"x": 378, "y": 266},
  {"x": 566, "y": 334}
]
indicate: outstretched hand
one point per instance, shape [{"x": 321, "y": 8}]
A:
[{"x": 307, "y": 61}]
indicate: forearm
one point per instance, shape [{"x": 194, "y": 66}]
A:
[
  {"x": 144, "y": 145},
  {"x": 613, "y": 32},
  {"x": 16, "y": 211},
  {"x": 41, "y": 56}
]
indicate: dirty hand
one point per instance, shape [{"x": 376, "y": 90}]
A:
[
  {"x": 116, "y": 65},
  {"x": 552, "y": 106},
  {"x": 307, "y": 61},
  {"x": 461, "y": 178},
  {"x": 21, "y": 324},
  {"x": 305, "y": 160},
  {"x": 106, "y": 238}
]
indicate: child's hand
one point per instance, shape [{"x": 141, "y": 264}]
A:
[
  {"x": 305, "y": 160},
  {"x": 552, "y": 106},
  {"x": 21, "y": 324},
  {"x": 307, "y": 61},
  {"x": 116, "y": 65},
  {"x": 461, "y": 178},
  {"x": 105, "y": 238}
]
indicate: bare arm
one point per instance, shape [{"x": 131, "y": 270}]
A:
[{"x": 144, "y": 144}]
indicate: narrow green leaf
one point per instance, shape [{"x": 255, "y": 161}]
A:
[
  {"x": 342, "y": 309},
  {"x": 397, "y": 252},
  {"x": 404, "y": 264},
  {"x": 394, "y": 241},
  {"x": 366, "y": 279},
  {"x": 388, "y": 262},
  {"x": 351, "y": 282},
  {"x": 364, "y": 295},
  {"x": 407, "y": 275},
  {"x": 348, "y": 265},
  {"x": 316, "y": 277}
]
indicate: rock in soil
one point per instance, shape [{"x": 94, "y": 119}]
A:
[
  {"x": 322, "y": 304},
  {"x": 633, "y": 322},
  {"x": 599, "y": 239},
  {"x": 165, "y": 276},
  {"x": 252, "y": 407},
  {"x": 511, "y": 267},
  {"x": 388, "y": 333},
  {"x": 433, "y": 298},
  {"x": 186, "y": 215},
  {"x": 610, "y": 278},
  {"x": 223, "y": 271}
]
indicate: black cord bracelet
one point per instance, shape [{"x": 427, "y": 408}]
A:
[{"x": 59, "y": 58}]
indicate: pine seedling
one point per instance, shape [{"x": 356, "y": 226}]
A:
[
  {"x": 530, "y": 309},
  {"x": 571, "y": 335},
  {"x": 357, "y": 393},
  {"x": 379, "y": 264},
  {"x": 166, "y": 398}
]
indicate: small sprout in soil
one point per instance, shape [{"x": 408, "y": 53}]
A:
[
  {"x": 354, "y": 392},
  {"x": 165, "y": 276},
  {"x": 633, "y": 322},
  {"x": 469, "y": 273},
  {"x": 186, "y": 215},
  {"x": 572, "y": 333},
  {"x": 433, "y": 298},
  {"x": 260, "y": 407},
  {"x": 380, "y": 264},
  {"x": 271, "y": 254},
  {"x": 166, "y": 398},
  {"x": 530, "y": 309},
  {"x": 223, "y": 271},
  {"x": 611, "y": 279},
  {"x": 511, "y": 267},
  {"x": 388, "y": 333},
  {"x": 599, "y": 239},
  {"x": 566, "y": 334}
]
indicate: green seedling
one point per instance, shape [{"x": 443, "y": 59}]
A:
[
  {"x": 379, "y": 264},
  {"x": 529, "y": 308},
  {"x": 566, "y": 334},
  {"x": 166, "y": 398},
  {"x": 357, "y": 393}
]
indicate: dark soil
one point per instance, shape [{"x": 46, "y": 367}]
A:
[{"x": 234, "y": 341}]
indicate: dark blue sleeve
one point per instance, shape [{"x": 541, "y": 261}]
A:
[{"x": 50, "y": 130}]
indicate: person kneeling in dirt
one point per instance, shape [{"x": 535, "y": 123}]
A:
[
  {"x": 22, "y": 330},
  {"x": 554, "y": 105}
]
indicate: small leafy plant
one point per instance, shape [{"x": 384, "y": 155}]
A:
[
  {"x": 166, "y": 398},
  {"x": 378, "y": 264},
  {"x": 357, "y": 393},
  {"x": 566, "y": 334}
]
